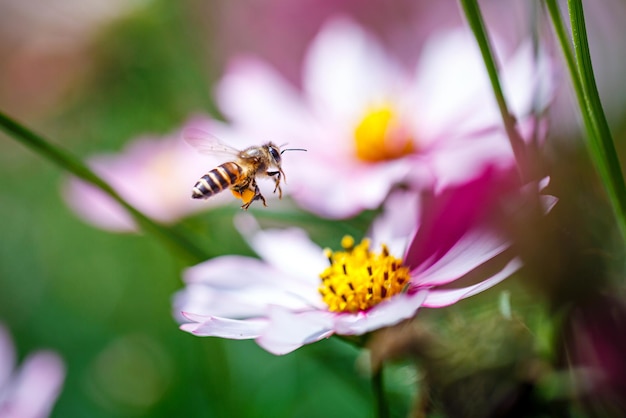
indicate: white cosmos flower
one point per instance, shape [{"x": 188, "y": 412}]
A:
[
  {"x": 291, "y": 296},
  {"x": 370, "y": 123}
]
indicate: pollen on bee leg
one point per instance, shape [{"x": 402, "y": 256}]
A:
[{"x": 246, "y": 195}]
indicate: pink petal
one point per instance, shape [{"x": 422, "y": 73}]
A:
[
  {"x": 236, "y": 329},
  {"x": 385, "y": 314},
  {"x": 455, "y": 161},
  {"x": 441, "y": 298},
  {"x": 453, "y": 213},
  {"x": 290, "y": 330},
  {"x": 473, "y": 249},
  {"x": 37, "y": 386}
]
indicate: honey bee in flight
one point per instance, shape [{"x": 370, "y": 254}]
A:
[{"x": 238, "y": 175}]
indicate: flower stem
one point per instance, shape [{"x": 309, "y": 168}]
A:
[
  {"x": 378, "y": 388},
  {"x": 67, "y": 161},
  {"x": 476, "y": 23},
  {"x": 599, "y": 140}
]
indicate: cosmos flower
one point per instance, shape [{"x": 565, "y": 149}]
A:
[
  {"x": 298, "y": 293},
  {"x": 31, "y": 391},
  {"x": 156, "y": 175},
  {"x": 370, "y": 124}
]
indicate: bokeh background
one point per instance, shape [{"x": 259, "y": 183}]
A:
[{"x": 95, "y": 74}]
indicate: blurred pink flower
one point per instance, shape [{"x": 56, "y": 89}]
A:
[
  {"x": 31, "y": 391},
  {"x": 369, "y": 123},
  {"x": 156, "y": 175},
  {"x": 292, "y": 296}
]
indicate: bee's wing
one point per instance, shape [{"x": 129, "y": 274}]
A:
[{"x": 207, "y": 143}]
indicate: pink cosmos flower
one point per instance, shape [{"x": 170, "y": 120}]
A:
[
  {"x": 31, "y": 391},
  {"x": 156, "y": 175},
  {"x": 369, "y": 123},
  {"x": 291, "y": 296}
]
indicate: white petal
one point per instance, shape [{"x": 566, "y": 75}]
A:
[
  {"x": 249, "y": 284},
  {"x": 385, "y": 314},
  {"x": 290, "y": 330},
  {"x": 441, "y": 298},
  {"x": 236, "y": 329},
  {"x": 291, "y": 251}
]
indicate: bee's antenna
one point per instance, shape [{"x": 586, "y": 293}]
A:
[{"x": 293, "y": 149}]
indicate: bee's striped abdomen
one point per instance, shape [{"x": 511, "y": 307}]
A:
[{"x": 216, "y": 180}]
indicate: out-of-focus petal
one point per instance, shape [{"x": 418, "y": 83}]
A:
[
  {"x": 256, "y": 96},
  {"x": 448, "y": 62},
  {"x": 457, "y": 160},
  {"x": 155, "y": 175},
  {"x": 445, "y": 297},
  {"x": 341, "y": 190},
  {"x": 347, "y": 69},
  {"x": 291, "y": 330},
  {"x": 385, "y": 314},
  {"x": 528, "y": 80},
  {"x": 96, "y": 207},
  {"x": 37, "y": 386}
]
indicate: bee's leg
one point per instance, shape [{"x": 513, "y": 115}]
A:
[
  {"x": 277, "y": 181},
  {"x": 258, "y": 195}
]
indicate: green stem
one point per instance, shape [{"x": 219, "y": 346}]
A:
[
  {"x": 174, "y": 239},
  {"x": 476, "y": 23},
  {"x": 599, "y": 139},
  {"x": 378, "y": 387}
]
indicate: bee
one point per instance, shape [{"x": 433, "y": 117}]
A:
[{"x": 239, "y": 175}]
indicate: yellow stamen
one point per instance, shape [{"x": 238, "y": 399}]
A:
[
  {"x": 358, "y": 279},
  {"x": 381, "y": 137}
]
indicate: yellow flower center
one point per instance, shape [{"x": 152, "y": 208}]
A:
[
  {"x": 381, "y": 137},
  {"x": 358, "y": 279}
]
